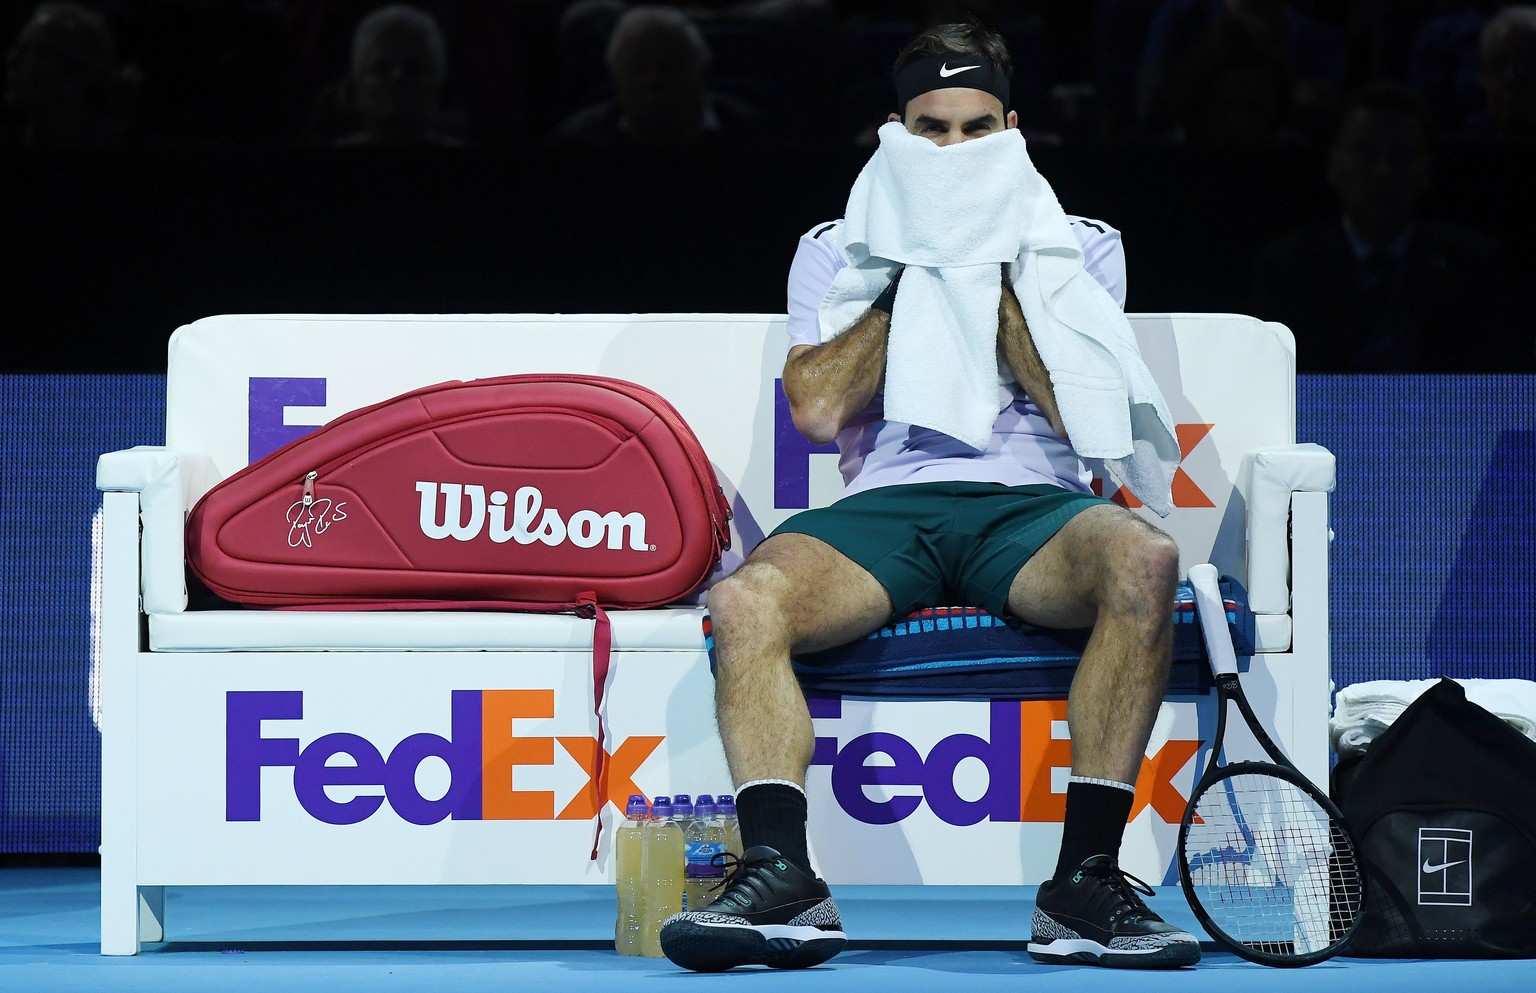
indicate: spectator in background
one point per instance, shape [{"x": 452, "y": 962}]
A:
[
  {"x": 1252, "y": 48},
  {"x": 1382, "y": 289},
  {"x": 65, "y": 82},
  {"x": 1508, "y": 75},
  {"x": 1229, "y": 87},
  {"x": 394, "y": 92},
  {"x": 658, "y": 61},
  {"x": 583, "y": 33},
  {"x": 1442, "y": 61}
]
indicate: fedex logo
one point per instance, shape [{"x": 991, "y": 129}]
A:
[
  {"x": 483, "y": 752},
  {"x": 1025, "y": 750}
]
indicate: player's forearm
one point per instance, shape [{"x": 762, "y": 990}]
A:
[
  {"x": 827, "y": 384},
  {"x": 1023, "y": 360}
]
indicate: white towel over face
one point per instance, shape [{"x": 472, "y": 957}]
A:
[{"x": 956, "y": 220}]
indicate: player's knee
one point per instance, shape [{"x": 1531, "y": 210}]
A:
[
  {"x": 1146, "y": 571},
  {"x": 727, "y": 600},
  {"x": 745, "y": 601}
]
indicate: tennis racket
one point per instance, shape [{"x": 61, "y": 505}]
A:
[{"x": 1265, "y": 858}]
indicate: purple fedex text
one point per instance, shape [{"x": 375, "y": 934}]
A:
[
  {"x": 247, "y": 752},
  {"x": 934, "y": 773},
  {"x": 1023, "y": 753}
]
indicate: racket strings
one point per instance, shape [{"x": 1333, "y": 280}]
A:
[{"x": 1270, "y": 866}]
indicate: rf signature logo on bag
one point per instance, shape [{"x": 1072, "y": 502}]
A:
[
  {"x": 449, "y": 517},
  {"x": 308, "y": 520},
  {"x": 1445, "y": 867}
]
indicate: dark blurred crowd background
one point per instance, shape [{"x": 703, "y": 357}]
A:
[{"x": 1360, "y": 170}]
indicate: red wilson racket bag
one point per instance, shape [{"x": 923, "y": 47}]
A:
[{"x": 529, "y": 492}]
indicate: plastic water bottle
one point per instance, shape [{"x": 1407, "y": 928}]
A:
[
  {"x": 704, "y": 839},
  {"x": 703, "y": 808},
  {"x": 682, "y": 810},
  {"x": 727, "y": 804},
  {"x": 629, "y": 878},
  {"x": 661, "y": 863}
]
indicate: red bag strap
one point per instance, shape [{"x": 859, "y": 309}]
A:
[{"x": 602, "y": 643}]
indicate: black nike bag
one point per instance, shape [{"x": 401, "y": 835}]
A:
[{"x": 1443, "y": 803}]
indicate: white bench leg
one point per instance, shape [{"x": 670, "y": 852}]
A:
[
  {"x": 125, "y": 916},
  {"x": 1309, "y": 634},
  {"x": 130, "y": 915},
  {"x": 151, "y": 913}
]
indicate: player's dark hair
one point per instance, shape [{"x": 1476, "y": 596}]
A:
[{"x": 971, "y": 38}]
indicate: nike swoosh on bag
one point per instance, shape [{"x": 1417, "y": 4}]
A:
[
  {"x": 945, "y": 71},
  {"x": 1429, "y": 869}
]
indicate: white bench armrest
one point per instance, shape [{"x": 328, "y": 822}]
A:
[
  {"x": 169, "y": 483},
  {"x": 1270, "y": 477}
]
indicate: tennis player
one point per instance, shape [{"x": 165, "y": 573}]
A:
[{"x": 924, "y": 521}]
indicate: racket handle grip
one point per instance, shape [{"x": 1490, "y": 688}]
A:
[{"x": 1212, "y": 612}]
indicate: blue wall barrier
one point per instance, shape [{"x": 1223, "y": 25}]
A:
[
  {"x": 1434, "y": 555},
  {"x": 1434, "y": 560},
  {"x": 52, "y": 428}
]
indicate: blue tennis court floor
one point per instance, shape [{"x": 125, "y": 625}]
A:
[{"x": 537, "y": 938}]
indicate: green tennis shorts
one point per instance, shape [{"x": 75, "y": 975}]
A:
[{"x": 943, "y": 544}]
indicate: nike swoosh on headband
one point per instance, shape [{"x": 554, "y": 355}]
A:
[
  {"x": 945, "y": 71},
  {"x": 1429, "y": 869}
]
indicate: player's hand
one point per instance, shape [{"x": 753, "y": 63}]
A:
[{"x": 886, "y": 301}]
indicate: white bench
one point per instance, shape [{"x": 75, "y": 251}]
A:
[{"x": 272, "y": 747}]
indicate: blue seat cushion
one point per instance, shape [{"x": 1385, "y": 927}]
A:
[{"x": 965, "y": 652}]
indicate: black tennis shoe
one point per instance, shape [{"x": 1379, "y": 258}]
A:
[
  {"x": 768, "y": 913},
  {"x": 1097, "y": 917}
]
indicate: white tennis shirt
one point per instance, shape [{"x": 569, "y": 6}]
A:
[{"x": 876, "y": 452}]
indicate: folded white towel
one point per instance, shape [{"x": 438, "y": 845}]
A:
[
  {"x": 1362, "y": 711},
  {"x": 957, "y": 220}
]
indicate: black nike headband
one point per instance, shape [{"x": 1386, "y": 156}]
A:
[{"x": 951, "y": 69}]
